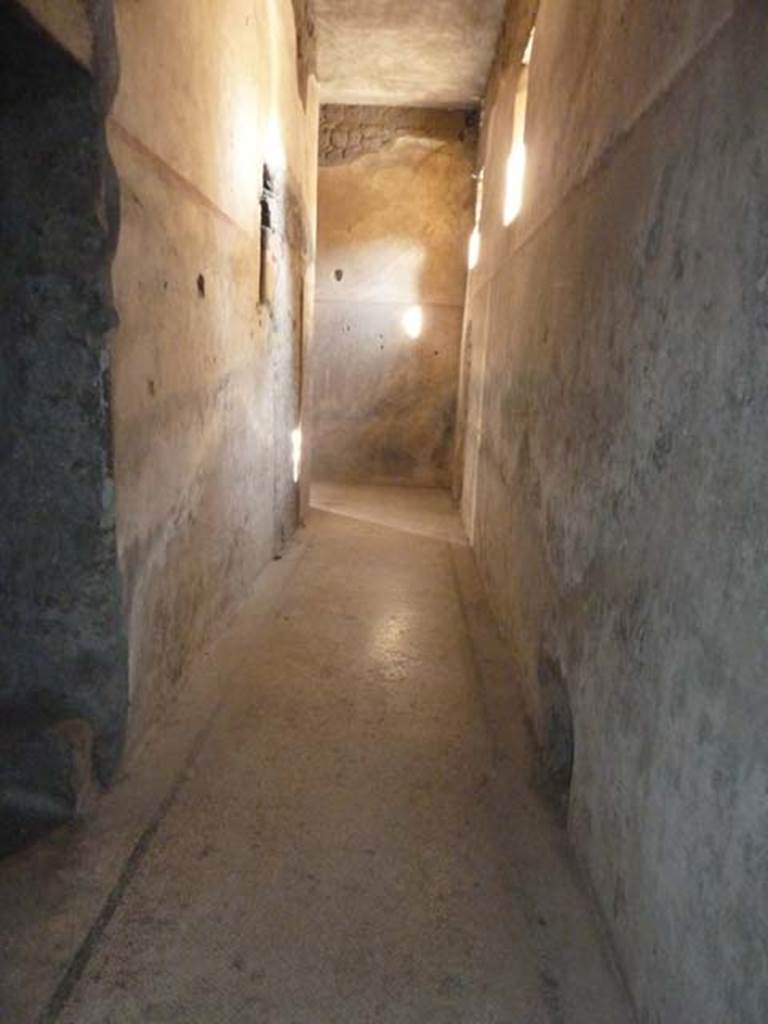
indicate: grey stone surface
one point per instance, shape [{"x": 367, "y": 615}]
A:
[
  {"x": 36, "y": 789},
  {"x": 620, "y": 477},
  {"x": 62, "y": 651}
]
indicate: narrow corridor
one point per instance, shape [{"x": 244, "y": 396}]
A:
[
  {"x": 345, "y": 842},
  {"x": 384, "y": 512}
]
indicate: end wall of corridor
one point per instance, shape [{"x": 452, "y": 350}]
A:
[{"x": 394, "y": 216}]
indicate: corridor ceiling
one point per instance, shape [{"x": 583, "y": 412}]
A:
[{"x": 433, "y": 53}]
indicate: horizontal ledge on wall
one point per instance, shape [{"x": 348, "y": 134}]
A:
[
  {"x": 170, "y": 174},
  {"x": 459, "y": 304}
]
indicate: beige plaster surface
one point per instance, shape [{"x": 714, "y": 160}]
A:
[
  {"x": 207, "y": 377},
  {"x": 392, "y": 234}
]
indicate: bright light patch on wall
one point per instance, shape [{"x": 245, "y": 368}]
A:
[
  {"x": 296, "y": 453},
  {"x": 513, "y": 198},
  {"x": 275, "y": 149},
  {"x": 473, "y": 255},
  {"x": 529, "y": 48},
  {"x": 413, "y": 322},
  {"x": 515, "y": 177}
]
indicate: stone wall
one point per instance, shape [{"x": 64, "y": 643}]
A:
[
  {"x": 200, "y": 252},
  {"x": 217, "y": 235},
  {"x": 394, "y": 216},
  {"x": 615, "y": 479},
  {"x": 63, "y": 666}
]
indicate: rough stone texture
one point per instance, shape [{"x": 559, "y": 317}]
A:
[
  {"x": 616, "y": 480},
  {"x": 62, "y": 654},
  {"x": 392, "y": 233},
  {"x": 36, "y": 791},
  {"x": 350, "y": 132},
  {"x": 400, "y": 53},
  {"x": 208, "y": 354}
]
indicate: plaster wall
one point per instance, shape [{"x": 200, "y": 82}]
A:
[
  {"x": 208, "y": 353},
  {"x": 395, "y": 207},
  {"x": 615, "y": 482},
  {"x": 149, "y": 469}
]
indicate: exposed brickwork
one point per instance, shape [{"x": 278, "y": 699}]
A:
[{"x": 347, "y": 133}]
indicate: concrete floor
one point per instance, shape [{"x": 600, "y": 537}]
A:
[
  {"x": 336, "y": 824},
  {"x": 425, "y": 511}
]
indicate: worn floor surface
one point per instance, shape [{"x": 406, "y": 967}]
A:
[{"x": 335, "y": 825}]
